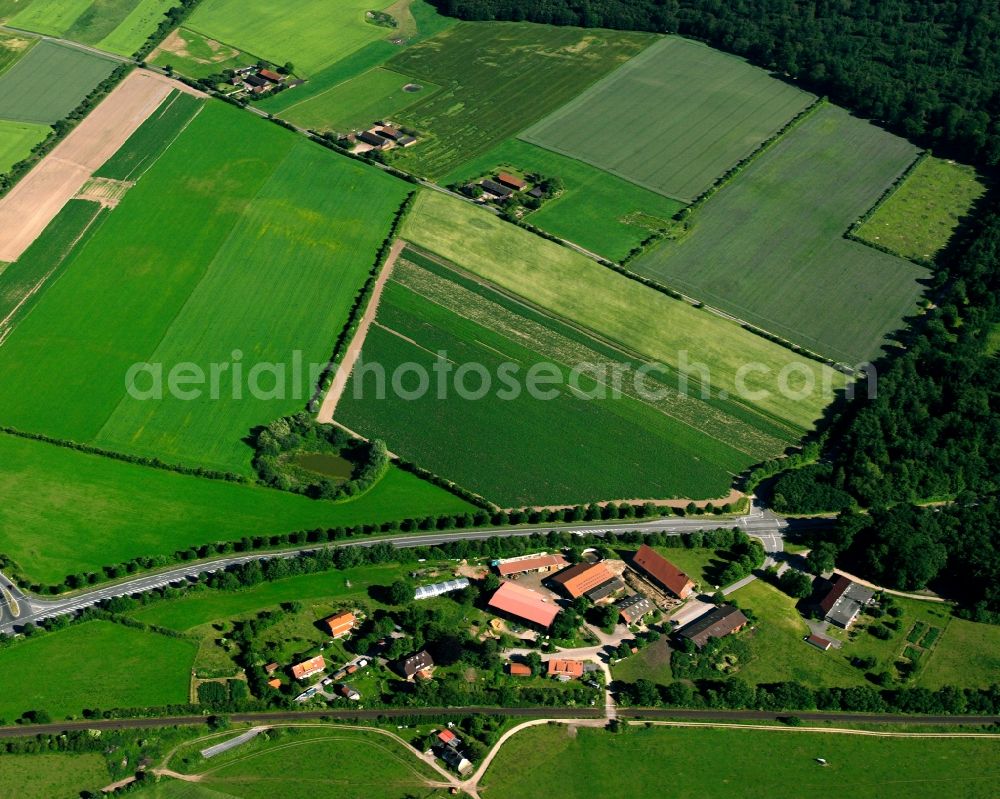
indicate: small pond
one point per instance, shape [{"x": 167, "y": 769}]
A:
[{"x": 326, "y": 464}]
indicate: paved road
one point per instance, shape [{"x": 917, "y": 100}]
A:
[
  {"x": 759, "y": 523},
  {"x": 652, "y": 714}
]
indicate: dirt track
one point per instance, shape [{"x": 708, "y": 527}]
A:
[{"x": 34, "y": 202}]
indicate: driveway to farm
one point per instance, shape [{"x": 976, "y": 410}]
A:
[{"x": 343, "y": 373}]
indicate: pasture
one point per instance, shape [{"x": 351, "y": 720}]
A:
[
  {"x": 673, "y": 119},
  {"x": 197, "y": 56},
  {"x": 769, "y": 247},
  {"x": 17, "y": 140},
  {"x": 111, "y": 666},
  {"x": 314, "y": 36},
  {"x": 51, "y": 775},
  {"x": 710, "y": 350},
  {"x": 13, "y": 46},
  {"x": 356, "y": 103},
  {"x": 918, "y": 219},
  {"x": 49, "y": 82},
  {"x": 573, "y": 764},
  {"x": 118, "y": 26},
  {"x": 63, "y": 511},
  {"x": 207, "y": 260},
  {"x": 967, "y": 654},
  {"x": 597, "y": 210},
  {"x": 562, "y": 449},
  {"x": 487, "y": 94}
]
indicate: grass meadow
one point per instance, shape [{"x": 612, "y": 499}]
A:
[
  {"x": 208, "y": 255},
  {"x": 562, "y": 451},
  {"x": 596, "y": 210},
  {"x": 495, "y": 79},
  {"x": 682, "y": 114},
  {"x": 313, "y": 36},
  {"x": 51, "y": 775},
  {"x": 64, "y": 512},
  {"x": 110, "y": 666},
  {"x": 17, "y": 140},
  {"x": 13, "y": 47},
  {"x": 573, "y": 764},
  {"x": 621, "y": 311},
  {"x": 49, "y": 82},
  {"x": 769, "y": 247},
  {"x": 920, "y": 216},
  {"x": 118, "y": 26},
  {"x": 967, "y": 654},
  {"x": 189, "y": 53}
]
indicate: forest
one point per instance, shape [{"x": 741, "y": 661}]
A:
[{"x": 925, "y": 69}]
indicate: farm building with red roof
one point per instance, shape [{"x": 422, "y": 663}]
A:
[
  {"x": 524, "y": 604},
  {"x": 663, "y": 572}
]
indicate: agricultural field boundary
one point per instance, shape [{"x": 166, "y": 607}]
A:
[{"x": 36, "y": 200}]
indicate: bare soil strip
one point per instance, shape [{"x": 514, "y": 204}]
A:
[
  {"x": 34, "y": 202},
  {"x": 329, "y": 406}
]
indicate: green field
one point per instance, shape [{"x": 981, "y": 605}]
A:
[
  {"x": 623, "y": 312},
  {"x": 769, "y": 247},
  {"x": 17, "y": 140},
  {"x": 197, "y": 56},
  {"x": 97, "y": 664},
  {"x": 673, "y": 119},
  {"x": 496, "y": 78},
  {"x": 312, "y": 36},
  {"x": 347, "y": 763},
  {"x": 968, "y": 654},
  {"x": 356, "y": 103},
  {"x": 560, "y": 451},
  {"x": 573, "y": 764},
  {"x": 921, "y": 215},
  {"x": 51, "y": 775},
  {"x": 49, "y": 82},
  {"x": 118, "y": 26},
  {"x": 13, "y": 47},
  {"x": 251, "y": 262},
  {"x": 62, "y": 511},
  {"x": 597, "y": 210}
]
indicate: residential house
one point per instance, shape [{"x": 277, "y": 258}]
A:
[
  {"x": 448, "y": 738},
  {"x": 348, "y": 692},
  {"x": 844, "y": 602},
  {"x": 519, "y": 669},
  {"x": 524, "y": 604},
  {"x": 341, "y": 624},
  {"x": 271, "y": 76},
  {"x": 583, "y": 577},
  {"x": 270, "y": 668},
  {"x": 410, "y": 666},
  {"x": 275, "y": 683},
  {"x": 819, "y": 642},
  {"x": 717, "y": 623},
  {"x": 633, "y": 608},
  {"x": 663, "y": 572},
  {"x": 564, "y": 670},
  {"x": 538, "y": 563},
  {"x": 307, "y": 668}
]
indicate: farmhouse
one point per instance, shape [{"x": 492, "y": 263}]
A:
[
  {"x": 510, "y": 181},
  {"x": 844, "y": 601},
  {"x": 633, "y": 608},
  {"x": 390, "y": 132},
  {"x": 271, "y": 76},
  {"x": 307, "y": 668},
  {"x": 448, "y": 738},
  {"x": 348, "y": 692},
  {"x": 663, "y": 572},
  {"x": 524, "y": 605},
  {"x": 340, "y": 624},
  {"x": 437, "y": 589},
  {"x": 519, "y": 669},
  {"x": 376, "y": 141},
  {"x": 717, "y": 623},
  {"x": 564, "y": 670},
  {"x": 539, "y": 563},
  {"x": 414, "y": 664},
  {"x": 583, "y": 577},
  {"x": 494, "y": 188}
]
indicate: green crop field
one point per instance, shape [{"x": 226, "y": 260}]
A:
[
  {"x": 110, "y": 666},
  {"x": 197, "y": 56},
  {"x": 627, "y": 314},
  {"x": 17, "y": 140},
  {"x": 51, "y": 775},
  {"x": 152, "y": 139},
  {"x": 49, "y": 82},
  {"x": 356, "y": 103},
  {"x": 560, "y": 450},
  {"x": 488, "y": 94},
  {"x": 311, "y": 36},
  {"x": 769, "y": 247},
  {"x": 349, "y": 764},
  {"x": 118, "y": 26},
  {"x": 596, "y": 210},
  {"x": 63, "y": 511},
  {"x": 13, "y": 47},
  {"x": 921, "y": 215},
  {"x": 252, "y": 262},
  {"x": 561, "y": 763},
  {"x": 673, "y": 119}
]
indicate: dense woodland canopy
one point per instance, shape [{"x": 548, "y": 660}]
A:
[{"x": 927, "y": 69}]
